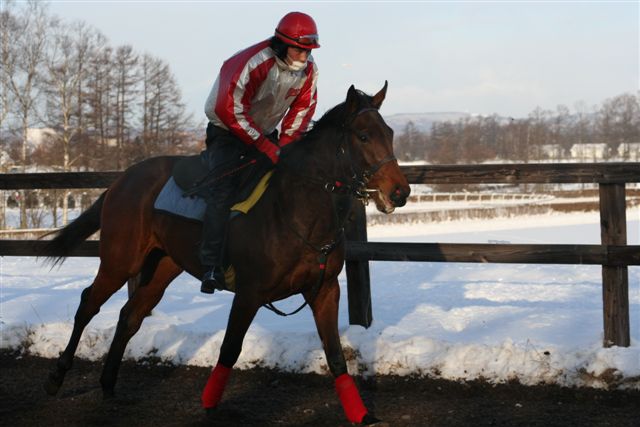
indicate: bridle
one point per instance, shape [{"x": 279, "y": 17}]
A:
[
  {"x": 342, "y": 196},
  {"x": 360, "y": 189},
  {"x": 356, "y": 183}
]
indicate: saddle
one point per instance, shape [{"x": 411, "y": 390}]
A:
[
  {"x": 190, "y": 172},
  {"x": 179, "y": 195},
  {"x": 192, "y": 175}
]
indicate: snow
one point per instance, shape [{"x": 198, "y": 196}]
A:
[{"x": 497, "y": 322}]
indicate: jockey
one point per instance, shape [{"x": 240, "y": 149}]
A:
[{"x": 270, "y": 82}]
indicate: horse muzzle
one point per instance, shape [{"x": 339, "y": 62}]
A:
[
  {"x": 388, "y": 202},
  {"x": 399, "y": 196}
]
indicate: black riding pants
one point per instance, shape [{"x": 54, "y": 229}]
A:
[{"x": 224, "y": 155}]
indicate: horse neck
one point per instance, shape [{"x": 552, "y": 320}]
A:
[
  {"x": 298, "y": 185},
  {"x": 319, "y": 157}
]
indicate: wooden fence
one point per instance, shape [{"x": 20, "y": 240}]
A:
[{"x": 613, "y": 254}]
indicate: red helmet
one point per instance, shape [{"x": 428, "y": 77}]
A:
[{"x": 298, "y": 29}]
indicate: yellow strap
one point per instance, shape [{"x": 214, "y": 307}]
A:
[
  {"x": 244, "y": 207},
  {"x": 257, "y": 192}
]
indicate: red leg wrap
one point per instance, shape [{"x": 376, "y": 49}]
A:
[
  {"x": 212, "y": 392},
  {"x": 350, "y": 398}
]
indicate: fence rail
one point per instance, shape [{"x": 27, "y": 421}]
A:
[{"x": 613, "y": 253}]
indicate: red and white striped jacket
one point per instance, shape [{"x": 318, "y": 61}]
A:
[{"x": 255, "y": 90}]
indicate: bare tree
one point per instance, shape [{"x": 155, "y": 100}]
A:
[
  {"x": 620, "y": 123},
  {"x": 125, "y": 81},
  {"x": 154, "y": 76},
  {"x": 178, "y": 122},
  {"x": 410, "y": 143},
  {"x": 606, "y": 127},
  {"x": 63, "y": 100},
  {"x": 8, "y": 27},
  {"x": 99, "y": 94},
  {"x": 83, "y": 44},
  {"x": 559, "y": 134},
  {"x": 163, "y": 113},
  {"x": 538, "y": 132},
  {"x": 443, "y": 146},
  {"x": 29, "y": 42},
  {"x": 583, "y": 127}
]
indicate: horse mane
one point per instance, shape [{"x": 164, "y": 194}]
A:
[
  {"x": 337, "y": 115},
  {"x": 298, "y": 152},
  {"x": 332, "y": 120}
]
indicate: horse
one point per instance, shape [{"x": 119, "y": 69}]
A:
[{"x": 290, "y": 242}]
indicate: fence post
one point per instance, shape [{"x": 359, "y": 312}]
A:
[
  {"x": 615, "y": 280},
  {"x": 358, "y": 281}
]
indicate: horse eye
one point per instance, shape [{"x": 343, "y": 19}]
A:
[{"x": 363, "y": 137}]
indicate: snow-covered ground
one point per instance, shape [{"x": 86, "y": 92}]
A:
[{"x": 534, "y": 323}]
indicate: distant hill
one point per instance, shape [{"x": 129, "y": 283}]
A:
[{"x": 422, "y": 121}]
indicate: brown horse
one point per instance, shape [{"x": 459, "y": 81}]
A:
[{"x": 275, "y": 248}]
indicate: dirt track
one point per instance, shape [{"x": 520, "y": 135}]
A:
[{"x": 155, "y": 395}]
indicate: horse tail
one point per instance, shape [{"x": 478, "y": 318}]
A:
[{"x": 71, "y": 236}]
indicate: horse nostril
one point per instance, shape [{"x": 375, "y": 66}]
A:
[{"x": 398, "y": 197}]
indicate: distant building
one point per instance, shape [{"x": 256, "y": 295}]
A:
[
  {"x": 552, "y": 151},
  {"x": 37, "y": 136},
  {"x": 589, "y": 152},
  {"x": 629, "y": 151},
  {"x": 6, "y": 161}
]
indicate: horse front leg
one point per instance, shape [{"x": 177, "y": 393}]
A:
[
  {"x": 243, "y": 310},
  {"x": 325, "y": 313}
]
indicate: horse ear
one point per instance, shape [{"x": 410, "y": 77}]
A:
[
  {"x": 379, "y": 97},
  {"x": 351, "y": 104}
]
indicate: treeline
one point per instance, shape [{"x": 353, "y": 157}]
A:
[
  {"x": 607, "y": 132},
  {"x": 109, "y": 106}
]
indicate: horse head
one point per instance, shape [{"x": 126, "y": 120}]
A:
[
  {"x": 352, "y": 145},
  {"x": 371, "y": 147}
]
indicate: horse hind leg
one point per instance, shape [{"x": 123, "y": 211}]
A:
[
  {"x": 92, "y": 298},
  {"x": 149, "y": 268},
  {"x": 139, "y": 305}
]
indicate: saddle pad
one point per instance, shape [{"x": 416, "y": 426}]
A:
[{"x": 172, "y": 200}]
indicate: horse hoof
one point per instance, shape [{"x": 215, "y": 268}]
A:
[
  {"x": 53, "y": 383},
  {"x": 107, "y": 393},
  {"x": 50, "y": 387},
  {"x": 370, "y": 420}
]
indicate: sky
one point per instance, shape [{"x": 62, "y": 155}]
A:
[
  {"x": 499, "y": 322},
  {"x": 475, "y": 57}
]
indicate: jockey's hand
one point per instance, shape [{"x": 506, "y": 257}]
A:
[{"x": 269, "y": 149}]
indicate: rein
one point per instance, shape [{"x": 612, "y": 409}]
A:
[
  {"x": 358, "y": 185},
  {"x": 324, "y": 250},
  {"x": 340, "y": 192}
]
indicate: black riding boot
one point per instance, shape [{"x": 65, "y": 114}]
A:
[
  {"x": 224, "y": 154},
  {"x": 212, "y": 246}
]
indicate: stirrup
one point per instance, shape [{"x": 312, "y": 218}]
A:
[
  {"x": 213, "y": 279},
  {"x": 208, "y": 286}
]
